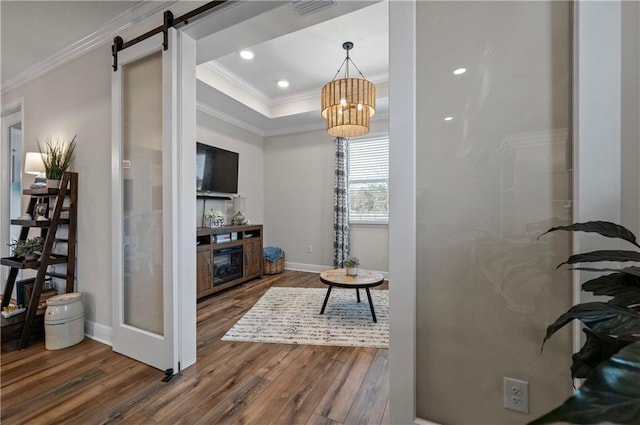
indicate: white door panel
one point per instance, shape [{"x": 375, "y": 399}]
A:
[{"x": 143, "y": 194}]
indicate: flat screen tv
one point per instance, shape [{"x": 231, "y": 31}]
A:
[{"x": 216, "y": 170}]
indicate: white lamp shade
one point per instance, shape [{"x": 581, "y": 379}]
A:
[
  {"x": 239, "y": 204},
  {"x": 33, "y": 163}
]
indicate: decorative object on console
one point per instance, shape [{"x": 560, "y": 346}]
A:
[
  {"x": 351, "y": 265},
  {"x": 57, "y": 157},
  {"x": 34, "y": 164},
  {"x": 348, "y": 103},
  {"x": 216, "y": 218},
  {"x": 239, "y": 206}
]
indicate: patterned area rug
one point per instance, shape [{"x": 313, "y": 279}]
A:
[{"x": 292, "y": 316}]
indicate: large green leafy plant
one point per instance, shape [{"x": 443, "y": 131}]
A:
[{"x": 610, "y": 356}]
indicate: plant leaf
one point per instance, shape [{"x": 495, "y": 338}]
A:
[
  {"x": 625, "y": 288},
  {"x": 604, "y": 228},
  {"x": 610, "y": 394},
  {"x": 596, "y": 349},
  {"x": 629, "y": 270},
  {"x": 602, "y": 255},
  {"x": 603, "y": 318}
]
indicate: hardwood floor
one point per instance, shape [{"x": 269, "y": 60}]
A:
[{"x": 231, "y": 383}]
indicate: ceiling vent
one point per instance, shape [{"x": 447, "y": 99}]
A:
[{"x": 308, "y": 7}]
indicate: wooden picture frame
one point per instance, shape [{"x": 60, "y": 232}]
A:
[
  {"x": 21, "y": 297},
  {"x": 24, "y": 289}
]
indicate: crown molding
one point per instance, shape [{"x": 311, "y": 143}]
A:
[
  {"x": 238, "y": 81},
  {"x": 301, "y": 96},
  {"x": 296, "y": 129},
  {"x": 103, "y": 35},
  {"x": 203, "y": 107},
  {"x": 313, "y": 127},
  {"x": 315, "y": 93}
]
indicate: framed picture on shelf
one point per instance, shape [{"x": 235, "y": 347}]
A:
[
  {"x": 25, "y": 287},
  {"x": 21, "y": 296}
]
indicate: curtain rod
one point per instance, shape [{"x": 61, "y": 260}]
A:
[{"x": 169, "y": 22}]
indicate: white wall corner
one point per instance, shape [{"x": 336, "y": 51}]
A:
[
  {"x": 402, "y": 220},
  {"x": 597, "y": 184}
]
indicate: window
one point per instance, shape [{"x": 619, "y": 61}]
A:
[{"x": 369, "y": 180}]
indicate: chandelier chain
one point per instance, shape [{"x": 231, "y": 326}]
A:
[{"x": 346, "y": 61}]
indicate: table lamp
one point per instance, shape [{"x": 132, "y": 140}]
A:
[
  {"x": 33, "y": 164},
  {"x": 239, "y": 205}
]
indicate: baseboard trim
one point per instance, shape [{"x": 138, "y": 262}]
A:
[
  {"x": 315, "y": 268},
  {"x": 302, "y": 267},
  {"x": 98, "y": 332},
  {"x": 420, "y": 421}
]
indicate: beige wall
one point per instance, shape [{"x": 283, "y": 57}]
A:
[
  {"x": 76, "y": 99},
  {"x": 488, "y": 183},
  {"x": 299, "y": 203}
]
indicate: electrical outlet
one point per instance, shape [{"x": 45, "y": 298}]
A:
[
  {"x": 310, "y": 249},
  {"x": 516, "y": 395}
]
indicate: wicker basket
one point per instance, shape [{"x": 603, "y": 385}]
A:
[{"x": 274, "y": 267}]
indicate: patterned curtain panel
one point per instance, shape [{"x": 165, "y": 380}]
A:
[{"x": 340, "y": 205}]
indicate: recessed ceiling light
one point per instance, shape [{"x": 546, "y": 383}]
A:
[
  {"x": 283, "y": 83},
  {"x": 247, "y": 54},
  {"x": 459, "y": 71},
  {"x": 448, "y": 118}
]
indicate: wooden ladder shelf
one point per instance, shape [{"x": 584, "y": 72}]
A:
[{"x": 68, "y": 192}]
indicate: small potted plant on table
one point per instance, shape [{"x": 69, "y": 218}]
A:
[
  {"x": 351, "y": 265},
  {"x": 57, "y": 157}
]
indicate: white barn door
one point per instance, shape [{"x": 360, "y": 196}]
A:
[{"x": 145, "y": 304}]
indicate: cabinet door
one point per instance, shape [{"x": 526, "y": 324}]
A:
[
  {"x": 205, "y": 280},
  {"x": 253, "y": 257}
]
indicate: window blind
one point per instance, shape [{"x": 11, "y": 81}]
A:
[{"x": 369, "y": 180}]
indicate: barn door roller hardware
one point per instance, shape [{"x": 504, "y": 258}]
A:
[{"x": 169, "y": 22}]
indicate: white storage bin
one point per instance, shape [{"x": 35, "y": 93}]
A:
[{"x": 64, "y": 321}]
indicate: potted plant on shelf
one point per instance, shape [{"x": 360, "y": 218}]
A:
[
  {"x": 28, "y": 249},
  {"x": 609, "y": 360},
  {"x": 351, "y": 265},
  {"x": 57, "y": 157}
]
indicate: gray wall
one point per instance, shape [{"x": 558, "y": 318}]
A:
[
  {"x": 299, "y": 203},
  {"x": 489, "y": 182},
  {"x": 76, "y": 99},
  {"x": 215, "y": 132}
]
